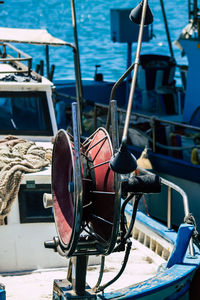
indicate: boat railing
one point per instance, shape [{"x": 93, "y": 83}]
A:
[
  {"x": 21, "y": 61},
  {"x": 154, "y": 121},
  {"x": 171, "y": 186},
  {"x": 121, "y": 110}
]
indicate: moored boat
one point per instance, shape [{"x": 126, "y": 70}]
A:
[
  {"x": 28, "y": 125},
  {"x": 89, "y": 178},
  {"x": 165, "y": 109},
  {"x": 92, "y": 221}
]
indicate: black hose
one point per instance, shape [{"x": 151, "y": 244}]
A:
[{"x": 126, "y": 256}]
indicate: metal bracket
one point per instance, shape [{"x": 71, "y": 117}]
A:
[{"x": 62, "y": 290}]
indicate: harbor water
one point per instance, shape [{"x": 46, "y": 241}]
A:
[{"x": 93, "y": 22}]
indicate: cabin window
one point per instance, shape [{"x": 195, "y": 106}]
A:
[
  {"x": 24, "y": 113},
  {"x": 31, "y": 207}
]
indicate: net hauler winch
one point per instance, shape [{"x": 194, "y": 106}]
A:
[
  {"x": 86, "y": 199},
  {"x": 86, "y": 193},
  {"x": 83, "y": 185}
]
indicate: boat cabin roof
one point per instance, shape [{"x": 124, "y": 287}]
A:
[
  {"x": 16, "y": 71},
  {"x": 29, "y": 36},
  {"x": 9, "y": 80}
]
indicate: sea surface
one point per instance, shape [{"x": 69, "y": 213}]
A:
[{"x": 94, "y": 34}]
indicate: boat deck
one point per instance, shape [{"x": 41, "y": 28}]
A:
[{"x": 143, "y": 263}]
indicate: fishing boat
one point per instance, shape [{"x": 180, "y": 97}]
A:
[
  {"x": 170, "y": 273},
  {"x": 158, "y": 262},
  {"x": 96, "y": 189},
  {"x": 165, "y": 110},
  {"x": 28, "y": 125},
  {"x": 95, "y": 210},
  {"x": 92, "y": 220}
]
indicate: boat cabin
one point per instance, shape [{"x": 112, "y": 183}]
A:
[
  {"x": 26, "y": 107},
  {"x": 26, "y": 112}
]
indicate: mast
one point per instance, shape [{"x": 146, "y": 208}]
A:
[
  {"x": 167, "y": 29},
  {"x": 193, "y": 15}
]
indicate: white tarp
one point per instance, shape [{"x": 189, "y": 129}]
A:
[{"x": 29, "y": 36}]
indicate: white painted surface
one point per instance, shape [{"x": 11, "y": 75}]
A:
[
  {"x": 142, "y": 264},
  {"x": 22, "y": 247}
]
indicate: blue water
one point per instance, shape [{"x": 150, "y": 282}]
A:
[{"x": 93, "y": 20}]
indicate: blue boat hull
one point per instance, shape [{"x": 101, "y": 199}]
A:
[
  {"x": 180, "y": 172},
  {"x": 94, "y": 91},
  {"x": 176, "y": 282},
  {"x": 177, "y": 279}
]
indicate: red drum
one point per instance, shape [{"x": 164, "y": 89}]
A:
[
  {"x": 103, "y": 194},
  {"x": 62, "y": 175},
  {"x": 97, "y": 216}
]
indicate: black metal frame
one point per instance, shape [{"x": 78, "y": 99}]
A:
[{"x": 45, "y": 188}]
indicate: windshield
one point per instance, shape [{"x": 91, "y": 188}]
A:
[{"x": 24, "y": 113}]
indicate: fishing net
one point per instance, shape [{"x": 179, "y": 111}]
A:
[{"x": 17, "y": 157}]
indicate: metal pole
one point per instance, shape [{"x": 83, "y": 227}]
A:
[
  {"x": 129, "y": 61},
  {"x": 113, "y": 92},
  {"x": 169, "y": 208},
  {"x": 153, "y": 126},
  {"x": 133, "y": 83},
  {"x": 115, "y": 131},
  {"x": 79, "y": 264},
  {"x": 47, "y": 60},
  {"x": 95, "y": 116},
  {"x": 78, "y": 188},
  {"x": 80, "y": 89},
  {"x": 167, "y": 29}
]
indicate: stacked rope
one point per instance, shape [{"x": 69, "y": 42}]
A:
[{"x": 17, "y": 156}]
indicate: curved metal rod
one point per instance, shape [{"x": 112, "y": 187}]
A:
[
  {"x": 79, "y": 89},
  {"x": 113, "y": 92},
  {"x": 181, "y": 192},
  {"x": 115, "y": 127},
  {"x": 173, "y": 186}
]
